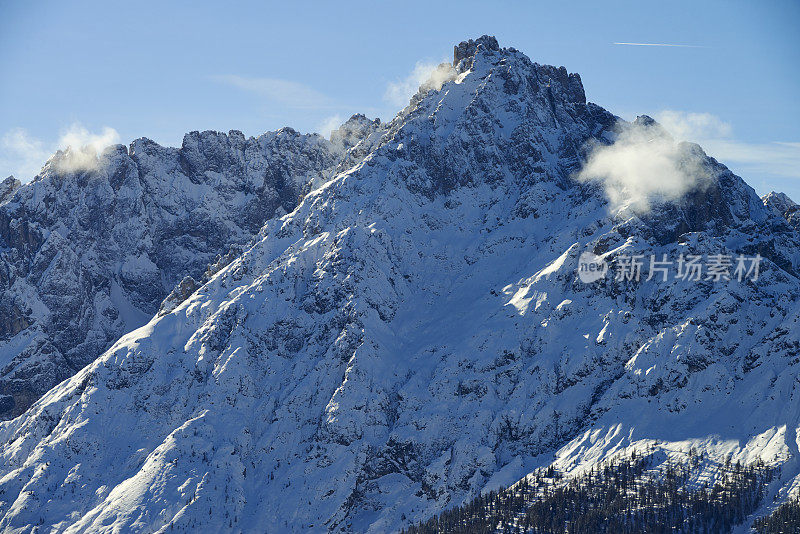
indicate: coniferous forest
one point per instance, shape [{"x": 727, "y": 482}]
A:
[
  {"x": 784, "y": 520},
  {"x": 631, "y": 494}
]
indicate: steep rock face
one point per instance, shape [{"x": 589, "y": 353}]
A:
[
  {"x": 361, "y": 135},
  {"x": 7, "y": 188},
  {"x": 90, "y": 249},
  {"x": 415, "y": 332}
]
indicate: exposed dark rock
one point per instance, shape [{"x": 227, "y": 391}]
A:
[{"x": 7, "y": 188}]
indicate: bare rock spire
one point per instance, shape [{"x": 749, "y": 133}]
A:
[{"x": 466, "y": 49}]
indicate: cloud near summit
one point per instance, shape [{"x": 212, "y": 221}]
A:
[
  {"x": 425, "y": 75},
  {"x": 22, "y": 154},
  {"x": 644, "y": 165}
]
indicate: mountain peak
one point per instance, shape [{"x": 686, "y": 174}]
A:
[
  {"x": 7, "y": 187},
  {"x": 785, "y": 206},
  {"x": 352, "y": 131},
  {"x": 469, "y": 48},
  {"x": 645, "y": 120},
  {"x": 781, "y": 201}
]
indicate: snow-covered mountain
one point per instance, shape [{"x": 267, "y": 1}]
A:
[
  {"x": 90, "y": 248},
  {"x": 415, "y": 332}
]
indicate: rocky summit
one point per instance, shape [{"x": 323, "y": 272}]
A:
[{"x": 412, "y": 333}]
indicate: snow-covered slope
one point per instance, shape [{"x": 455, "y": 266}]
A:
[
  {"x": 90, "y": 248},
  {"x": 415, "y": 332}
]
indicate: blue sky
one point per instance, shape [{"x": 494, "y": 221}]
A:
[{"x": 102, "y": 71}]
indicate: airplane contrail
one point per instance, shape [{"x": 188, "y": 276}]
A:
[{"x": 660, "y": 44}]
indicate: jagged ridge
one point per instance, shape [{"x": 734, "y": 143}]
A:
[{"x": 89, "y": 251}]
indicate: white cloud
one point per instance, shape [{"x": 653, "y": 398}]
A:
[
  {"x": 285, "y": 92},
  {"x": 82, "y": 147},
  {"x": 640, "y": 167},
  {"x": 76, "y": 136},
  {"x": 23, "y": 155},
  {"x": 329, "y": 124},
  {"x": 425, "y": 76},
  {"x": 643, "y": 165}
]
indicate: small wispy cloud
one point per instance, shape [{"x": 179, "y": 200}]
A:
[
  {"x": 757, "y": 159},
  {"x": 661, "y": 44},
  {"x": 425, "y": 75},
  {"x": 285, "y": 92},
  {"x": 689, "y": 126},
  {"x": 751, "y": 160},
  {"x": 82, "y": 147},
  {"x": 23, "y": 155},
  {"x": 329, "y": 124}
]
